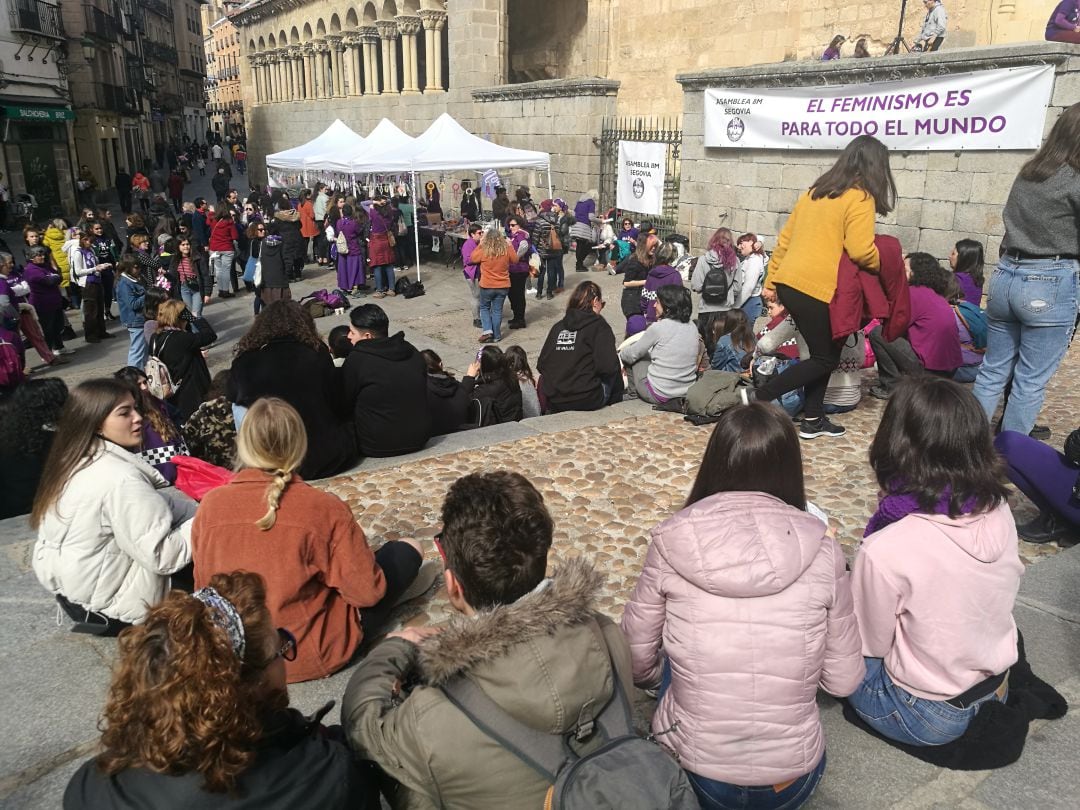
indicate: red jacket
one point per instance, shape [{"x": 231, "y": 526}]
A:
[
  {"x": 862, "y": 296},
  {"x": 222, "y": 235},
  {"x": 176, "y": 186}
]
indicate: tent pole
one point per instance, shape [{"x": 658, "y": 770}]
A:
[{"x": 416, "y": 227}]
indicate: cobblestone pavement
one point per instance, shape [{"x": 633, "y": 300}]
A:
[{"x": 608, "y": 486}]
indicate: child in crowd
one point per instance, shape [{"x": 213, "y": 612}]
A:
[
  {"x": 662, "y": 363},
  {"x": 966, "y": 261},
  {"x": 936, "y": 576},
  {"x": 970, "y": 321},
  {"x": 932, "y": 343},
  {"x": 750, "y": 276},
  {"x": 730, "y": 340},
  {"x": 660, "y": 275},
  {"x": 516, "y": 631},
  {"x": 519, "y": 363},
  {"x": 744, "y": 567},
  {"x": 497, "y": 391},
  {"x": 339, "y": 343},
  {"x": 323, "y": 583}
]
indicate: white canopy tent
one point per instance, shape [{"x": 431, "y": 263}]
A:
[
  {"x": 337, "y": 139},
  {"x": 384, "y": 138},
  {"x": 446, "y": 146}
]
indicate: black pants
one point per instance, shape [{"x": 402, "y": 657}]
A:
[
  {"x": 517, "y": 295},
  {"x": 93, "y": 312},
  {"x": 125, "y": 201},
  {"x": 400, "y": 563},
  {"x": 584, "y": 248},
  {"x": 812, "y": 375},
  {"x": 611, "y": 391},
  {"x": 894, "y": 359},
  {"x": 319, "y": 248},
  {"x": 52, "y": 326}
]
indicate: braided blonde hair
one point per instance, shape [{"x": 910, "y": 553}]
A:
[{"x": 272, "y": 438}]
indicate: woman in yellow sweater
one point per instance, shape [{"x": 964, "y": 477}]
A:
[{"x": 835, "y": 215}]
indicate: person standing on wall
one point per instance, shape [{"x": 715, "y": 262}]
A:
[
  {"x": 932, "y": 33},
  {"x": 1064, "y": 22},
  {"x": 1032, "y": 296},
  {"x": 835, "y": 215}
]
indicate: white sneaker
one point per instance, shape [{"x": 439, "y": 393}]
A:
[{"x": 427, "y": 575}]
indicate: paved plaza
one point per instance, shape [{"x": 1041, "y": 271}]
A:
[{"x": 608, "y": 477}]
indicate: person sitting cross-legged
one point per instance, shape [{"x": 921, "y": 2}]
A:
[
  {"x": 385, "y": 381},
  {"x": 533, "y": 645}
]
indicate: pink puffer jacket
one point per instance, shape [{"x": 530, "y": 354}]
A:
[{"x": 750, "y": 601}]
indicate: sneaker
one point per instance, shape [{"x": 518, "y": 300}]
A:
[
  {"x": 63, "y": 352},
  {"x": 477, "y": 323},
  {"x": 880, "y": 392},
  {"x": 611, "y": 270},
  {"x": 539, "y": 294},
  {"x": 516, "y": 324},
  {"x": 485, "y": 338},
  {"x": 59, "y": 361},
  {"x": 379, "y": 294},
  {"x": 550, "y": 295},
  {"x": 812, "y": 428},
  {"x": 1047, "y": 528},
  {"x": 390, "y": 293},
  {"x": 497, "y": 339},
  {"x": 1040, "y": 432},
  {"x": 426, "y": 577}
]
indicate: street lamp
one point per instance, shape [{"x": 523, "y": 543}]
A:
[{"x": 89, "y": 49}]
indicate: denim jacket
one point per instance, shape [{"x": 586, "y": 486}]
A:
[{"x": 129, "y": 297}]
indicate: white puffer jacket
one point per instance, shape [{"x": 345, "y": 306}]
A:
[
  {"x": 114, "y": 536},
  {"x": 751, "y": 604}
]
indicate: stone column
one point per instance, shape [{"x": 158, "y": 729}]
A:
[
  {"x": 336, "y": 62},
  {"x": 434, "y": 22},
  {"x": 296, "y": 68},
  {"x": 409, "y": 27},
  {"x": 256, "y": 80},
  {"x": 283, "y": 74},
  {"x": 271, "y": 77},
  {"x": 388, "y": 33},
  {"x": 369, "y": 39},
  {"x": 320, "y": 50},
  {"x": 309, "y": 71},
  {"x": 352, "y": 42}
]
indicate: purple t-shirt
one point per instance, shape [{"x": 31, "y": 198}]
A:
[
  {"x": 1063, "y": 19},
  {"x": 932, "y": 331},
  {"x": 659, "y": 276},
  {"x": 972, "y": 291}
]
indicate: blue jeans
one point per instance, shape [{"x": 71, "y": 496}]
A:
[
  {"x": 966, "y": 374},
  {"x": 714, "y": 795},
  {"x": 137, "y": 349},
  {"x": 1030, "y": 313},
  {"x": 553, "y": 269},
  {"x": 222, "y": 267},
  {"x": 897, "y": 714},
  {"x": 753, "y": 308},
  {"x": 384, "y": 278},
  {"x": 491, "y": 307},
  {"x": 193, "y": 299}
]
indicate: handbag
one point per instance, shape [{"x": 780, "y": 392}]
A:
[
  {"x": 256, "y": 277},
  {"x": 249, "y": 270},
  {"x": 342, "y": 245},
  {"x": 391, "y": 239},
  {"x": 196, "y": 477}
]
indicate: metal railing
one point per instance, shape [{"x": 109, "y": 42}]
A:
[
  {"x": 104, "y": 96},
  {"x": 158, "y": 7},
  {"x": 163, "y": 53},
  {"x": 36, "y": 17},
  {"x": 101, "y": 25}
]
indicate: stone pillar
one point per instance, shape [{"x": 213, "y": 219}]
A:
[
  {"x": 336, "y": 49},
  {"x": 409, "y": 27},
  {"x": 256, "y": 80},
  {"x": 309, "y": 71},
  {"x": 271, "y": 77},
  {"x": 369, "y": 39},
  {"x": 283, "y": 74},
  {"x": 434, "y": 22},
  {"x": 388, "y": 33},
  {"x": 296, "y": 69},
  {"x": 352, "y": 57},
  {"x": 320, "y": 50}
]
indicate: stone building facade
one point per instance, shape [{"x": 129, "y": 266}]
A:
[{"x": 224, "y": 100}]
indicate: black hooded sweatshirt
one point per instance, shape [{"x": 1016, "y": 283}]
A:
[
  {"x": 578, "y": 352},
  {"x": 448, "y": 402},
  {"x": 385, "y": 379}
]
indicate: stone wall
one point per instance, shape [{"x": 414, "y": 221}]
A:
[{"x": 943, "y": 196}]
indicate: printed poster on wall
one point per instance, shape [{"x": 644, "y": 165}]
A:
[
  {"x": 640, "y": 185},
  {"x": 986, "y": 109}
]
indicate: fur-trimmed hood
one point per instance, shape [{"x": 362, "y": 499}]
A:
[{"x": 469, "y": 642}]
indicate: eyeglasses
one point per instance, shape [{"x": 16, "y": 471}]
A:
[
  {"x": 286, "y": 648},
  {"x": 514, "y": 225}
]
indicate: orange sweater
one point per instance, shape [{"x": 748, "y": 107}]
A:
[
  {"x": 494, "y": 270},
  {"x": 808, "y": 248},
  {"x": 316, "y": 562}
]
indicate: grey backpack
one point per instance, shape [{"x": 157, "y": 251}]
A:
[{"x": 626, "y": 772}]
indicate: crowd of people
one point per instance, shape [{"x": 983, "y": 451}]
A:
[{"x": 235, "y": 590}]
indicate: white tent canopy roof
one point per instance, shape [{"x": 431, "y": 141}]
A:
[
  {"x": 386, "y": 137},
  {"x": 337, "y": 138},
  {"x": 445, "y": 146}
]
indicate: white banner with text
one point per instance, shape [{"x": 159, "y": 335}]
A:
[
  {"x": 640, "y": 185},
  {"x": 987, "y": 109}
]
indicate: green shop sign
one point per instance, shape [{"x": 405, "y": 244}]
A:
[{"x": 38, "y": 114}]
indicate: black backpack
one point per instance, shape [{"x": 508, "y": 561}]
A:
[
  {"x": 408, "y": 289},
  {"x": 715, "y": 288},
  {"x": 625, "y": 773}
]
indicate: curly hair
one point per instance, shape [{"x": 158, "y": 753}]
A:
[
  {"x": 30, "y": 416},
  {"x": 180, "y": 699},
  {"x": 281, "y": 319}
]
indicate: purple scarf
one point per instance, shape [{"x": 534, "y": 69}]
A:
[{"x": 893, "y": 507}]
